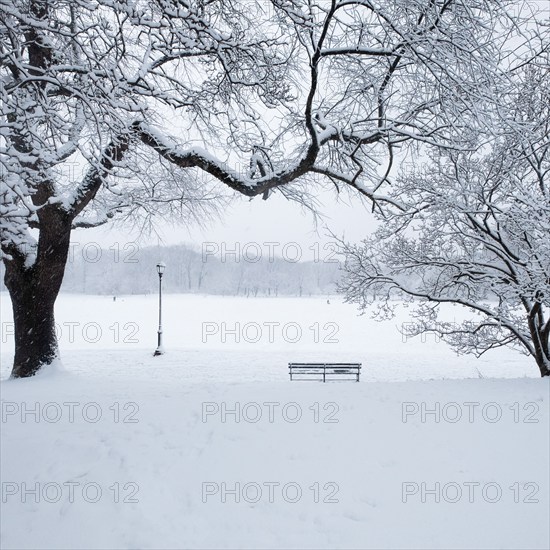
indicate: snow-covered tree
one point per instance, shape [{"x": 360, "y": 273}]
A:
[
  {"x": 475, "y": 232},
  {"x": 258, "y": 94}
]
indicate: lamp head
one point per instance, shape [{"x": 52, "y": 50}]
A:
[{"x": 161, "y": 266}]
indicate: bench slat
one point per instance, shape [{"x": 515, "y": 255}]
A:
[
  {"x": 324, "y": 370},
  {"x": 324, "y": 365}
]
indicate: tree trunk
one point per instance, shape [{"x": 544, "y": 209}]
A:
[
  {"x": 33, "y": 290},
  {"x": 539, "y": 336},
  {"x": 35, "y": 338},
  {"x": 541, "y": 355},
  {"x": 543, "y": 364}
]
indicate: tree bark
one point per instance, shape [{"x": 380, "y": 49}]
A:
[
  {"x": 33, "y": 290},
  {"x": 542, "y": 357},
  {"x": 543, "y": 364}
]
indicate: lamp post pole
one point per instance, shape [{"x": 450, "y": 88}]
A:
[{"x": 160, "y": 349}]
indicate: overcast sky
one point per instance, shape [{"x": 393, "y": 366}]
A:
[{"x": 275, "y": 220}]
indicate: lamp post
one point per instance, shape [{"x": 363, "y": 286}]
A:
[{"x": 160, "y": 349}]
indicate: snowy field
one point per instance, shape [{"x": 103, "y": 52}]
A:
[
  {"x": 211, "y": 446},
  {"x": 100, "y": 336}
]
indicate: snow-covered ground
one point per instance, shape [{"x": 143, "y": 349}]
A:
[
  {"x": 99, "y": 335},
  {"x": 120, "y": 449}
]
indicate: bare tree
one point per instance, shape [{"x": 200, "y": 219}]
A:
[
  {"x": 475, "y": 233},
  {"x": 284, "y": 88}
]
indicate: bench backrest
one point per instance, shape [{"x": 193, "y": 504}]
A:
[
  {"x": 324, "y": 371},
  {"x": 321, "y": 366}
]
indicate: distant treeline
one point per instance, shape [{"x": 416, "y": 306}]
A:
[{"x": 129, "y": 269}]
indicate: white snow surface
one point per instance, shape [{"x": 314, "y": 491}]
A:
[{"x": 155, "y": 439}]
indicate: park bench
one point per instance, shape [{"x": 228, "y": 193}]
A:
[{"x": 324, "y": 371}]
